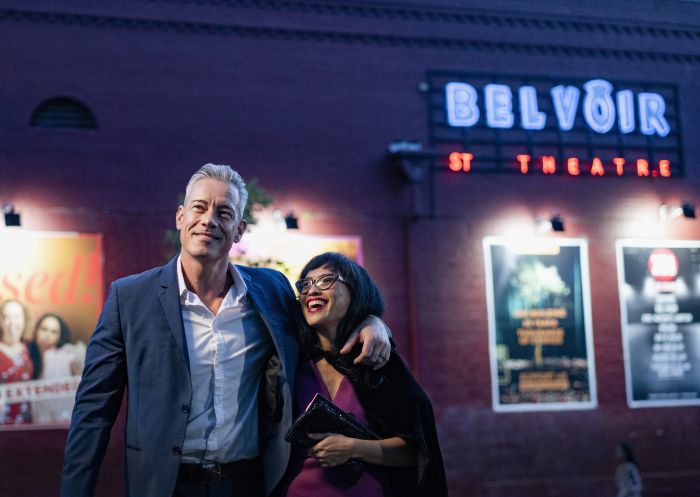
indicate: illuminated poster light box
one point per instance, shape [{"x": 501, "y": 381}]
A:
[
  {"x": 539, "y": 317},
  {"x": 288, "y": 251},
  {"x": 530, "y": 124},
  {"x": 50, "y": 286},
  {"x": 659, "y": 287}
]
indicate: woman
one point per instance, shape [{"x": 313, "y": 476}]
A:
[
  {"x": 335, "y": 294},
  {"x": 627, "y": 477},
  {"x": 54, "y": 357},
  {"x": 15, "y": 364}
]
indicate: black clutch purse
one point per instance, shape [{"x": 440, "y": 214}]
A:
[{"x": 322, "y": 416}]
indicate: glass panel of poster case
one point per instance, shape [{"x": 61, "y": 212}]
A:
[
  {"x": 539, "y": 314},
  {"x": 660, "y": 314},
  {"x": 50, "y": 298}
]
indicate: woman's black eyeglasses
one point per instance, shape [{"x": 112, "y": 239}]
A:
[{"x": 323, "y": 282}]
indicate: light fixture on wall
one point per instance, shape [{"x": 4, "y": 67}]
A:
[
  {"x": 557, "y": 223},
  {"x": 554, "y": 223},
  {"x": 291, "y": 221},
  {"x": 670, "y": 212},
  {"x": 414, "y": 161},
  {"x": 688, "y": 210},
  {"x": 12, "y": 217}
]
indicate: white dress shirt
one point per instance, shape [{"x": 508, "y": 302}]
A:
[{"x": 226, "y": 354}]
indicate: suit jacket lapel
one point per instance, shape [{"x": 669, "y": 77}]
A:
[
  {"x": 169, "y": 295},
  {"x": 273, "y": 320}
]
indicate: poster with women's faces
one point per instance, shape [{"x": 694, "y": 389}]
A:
[
  {"x": 539, "y": 315},
  {"x": 659, "y": 285},
  {"x": 50, "y": 299}
]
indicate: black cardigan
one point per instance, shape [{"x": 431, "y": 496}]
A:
[{"x": 396, "y": 405}]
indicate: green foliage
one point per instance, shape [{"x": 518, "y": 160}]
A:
[{"x": 258, "y": 199}]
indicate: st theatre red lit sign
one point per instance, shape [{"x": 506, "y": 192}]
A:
[
  {"x": 534, "y": 125},
  {"x": 547, "y": 164}
]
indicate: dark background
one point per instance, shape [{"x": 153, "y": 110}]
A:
[{"x": 306, "y": 96}]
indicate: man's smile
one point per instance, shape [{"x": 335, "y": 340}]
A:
[{"x": 206, "y": 236}]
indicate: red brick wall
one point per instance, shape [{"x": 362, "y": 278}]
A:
[{"x": 306, "y": 97}]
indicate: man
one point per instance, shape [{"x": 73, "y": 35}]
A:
[{"x": 191, "y": 341}]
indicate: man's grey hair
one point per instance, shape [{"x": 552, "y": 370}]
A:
[{"x": 222, "y": 173}]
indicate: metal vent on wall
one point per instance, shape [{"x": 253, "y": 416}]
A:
[{"x": 63, "y": 112}]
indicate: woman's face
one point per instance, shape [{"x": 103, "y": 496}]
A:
[
  {"x": 48, "y": 333},
  {"x": 324, "y": 309},
  {"x": 12, "y": 323}
]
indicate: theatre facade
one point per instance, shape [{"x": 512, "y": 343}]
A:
[{"x": 521, "y": 181}]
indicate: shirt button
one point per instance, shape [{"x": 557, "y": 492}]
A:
[
  {"x": 185, "y": 408},
  {"x": 177, "y": 451}
]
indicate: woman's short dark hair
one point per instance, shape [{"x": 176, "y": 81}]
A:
[{"x": 365, "y": 297}]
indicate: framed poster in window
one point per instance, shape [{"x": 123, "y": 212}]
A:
[
  {"x": 50, "y": 298},
  {"x": 539, "y": 314},
  {"x": 659, "y": 286}
]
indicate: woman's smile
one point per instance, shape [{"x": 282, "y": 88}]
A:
[{"x": 315, "y": 304}]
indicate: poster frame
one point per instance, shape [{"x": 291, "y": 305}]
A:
[
  {"x": 28, "y": 385},
  {"x": 582, "y": 244},
  {"x": 620, "y": 244}
]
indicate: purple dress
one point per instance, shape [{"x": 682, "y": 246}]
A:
[{"x": 305, "y": 477}]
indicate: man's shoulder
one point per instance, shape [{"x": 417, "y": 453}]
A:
[
  {"x": 147, "y": 278},
  {"x": 260, "y": 273}
]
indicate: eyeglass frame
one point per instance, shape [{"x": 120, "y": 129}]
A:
[{"x": 337, "y": 277}]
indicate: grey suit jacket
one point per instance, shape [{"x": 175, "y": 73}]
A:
[{"x": 139, "y": 344}]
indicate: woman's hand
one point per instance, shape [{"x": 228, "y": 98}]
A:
[{"x": 332, "y": 450}]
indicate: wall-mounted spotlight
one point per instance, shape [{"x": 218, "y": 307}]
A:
[
  {"x": 688, "y": 210},
  {"x": 414, "y": 161},
  {"x": 684, "y": 209},
  {"x": 291, "y": 221},
  {"x": 554, "y": 223},
  {"x": 557, "y": 222},
  {"x": 12, "y": 217}
]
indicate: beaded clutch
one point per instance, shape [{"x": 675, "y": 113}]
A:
[{"x": 322, "y": 416}]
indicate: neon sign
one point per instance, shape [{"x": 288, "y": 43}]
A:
[
  {"x": 573, "y": 166},
  {"x": 600, "y": 110},
  {"x": 554, "y": 126}
]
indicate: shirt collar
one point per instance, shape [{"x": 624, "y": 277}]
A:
[{"x": 234, "y": 295}]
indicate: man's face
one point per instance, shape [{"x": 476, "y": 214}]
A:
[{"x": 208, "y": 222}]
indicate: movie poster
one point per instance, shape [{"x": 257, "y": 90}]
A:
[
  {"x": 288, "y": 251},
  {"x": 50, "y": 298},
  {"x": 660, "y": 315},
  {"x": 540, "y": 337}
]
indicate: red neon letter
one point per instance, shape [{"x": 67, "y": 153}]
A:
[
  {"x": 665, "y": 168},
  {"x": 597, "y": 167},
  {"x": 573, "y": 166},
  {"x": 620, "y": 165},
  {"x": 642, "y": 167},
  {"x": 523, "y": 159},
  {"x": 455, "y": 162},
  {"x": 461, "y": 162},
  {"x": 467, "y": 162},
  {"x": 549, "y": 166}
]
